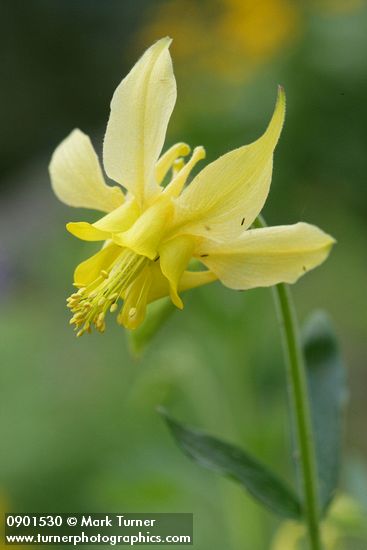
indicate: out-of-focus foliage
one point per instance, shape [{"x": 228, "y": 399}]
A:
[{"x": 78, "y": 421}]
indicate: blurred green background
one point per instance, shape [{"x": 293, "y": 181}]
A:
[{"x": 79, "y": 426}]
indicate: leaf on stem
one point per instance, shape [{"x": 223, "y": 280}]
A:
[{"x": 236, "y": 464}]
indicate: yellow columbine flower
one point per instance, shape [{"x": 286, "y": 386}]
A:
[{"x": 151, "y": 232}]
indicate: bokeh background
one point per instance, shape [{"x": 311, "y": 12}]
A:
[{"x": 79, "y": 426}]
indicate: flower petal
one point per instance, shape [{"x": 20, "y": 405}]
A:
[
  {"x": 146, "y": 233},
  {"x": 86, "y": 231},
  {"x": 265, "y": 257},
  {"x": 76, "y": 175},
  {"x": 174, "y": 258},
  {"x": 120, "y": 219},
  {"x": 140, "y": 110},
  {"x": 89, "y": 270},
  {"x": 228, "y": 194}
]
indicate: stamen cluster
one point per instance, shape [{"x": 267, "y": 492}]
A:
[{"x": 90, "y": 304}]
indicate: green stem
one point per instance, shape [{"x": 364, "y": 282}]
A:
[
  {"x": 301, "y": 407},
  {"x": 298, "y": 383}
]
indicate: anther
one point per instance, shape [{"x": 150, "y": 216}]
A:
[
  {"x": 76, "y": 320},
  {"x": 78, "y": 316},
  {"x": 132, "y": 312},
  {"x": 100, "y": 318}
]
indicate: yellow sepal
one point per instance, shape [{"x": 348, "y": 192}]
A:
[
  {"x": 227, "y": 195},
  {"x": 140, "y": 110},
  {"x": 265, "y": 257}
]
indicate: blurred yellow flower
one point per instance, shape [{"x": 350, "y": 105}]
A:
[
  {"x": 152, "y": 231},
  {"x": 245, "y": 33},
  {"x": 344, "y": 528}
]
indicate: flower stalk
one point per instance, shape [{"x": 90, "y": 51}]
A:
[{"x": 300, "y": 405}]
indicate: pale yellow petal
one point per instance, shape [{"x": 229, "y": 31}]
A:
[
  {"x": 86, "y": 231},
  {"x": 89, "y": 270},
  {"x": 265, "y": 257},
  {"x": 228, "y": 194},
  {"x": 76, "y": 176},
  {"x": 140, "y": 110},
  {"x": 159, "y": 284},
  {"x": 120, "y": 219},
  {"x": 174, "y": 258},
  {"x": 147, "y": 232}
]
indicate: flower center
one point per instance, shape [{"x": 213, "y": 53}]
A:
[{"x": 90, "y": 304}]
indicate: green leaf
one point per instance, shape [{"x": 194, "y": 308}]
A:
[
  {"x": 236, "y": 464},
  {"x": 328, "y": 395},
  {"x": 157, "y": 314}
]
